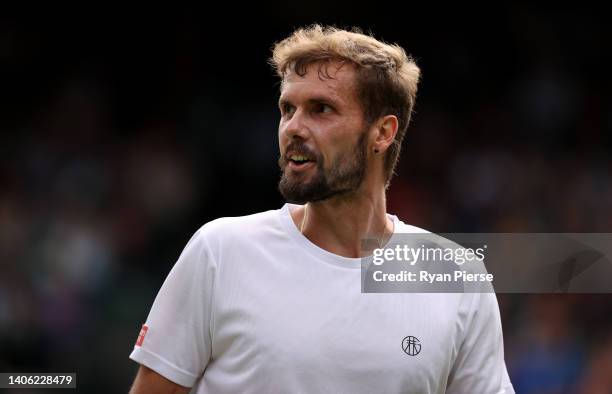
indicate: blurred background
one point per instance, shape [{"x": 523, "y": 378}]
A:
[{"x": 122, "y": 131}]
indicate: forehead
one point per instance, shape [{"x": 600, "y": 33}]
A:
[{"x": 334, "y": 80}]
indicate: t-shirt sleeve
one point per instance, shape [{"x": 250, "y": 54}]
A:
[
  {"x": 175, "y": 340},
  {"x": 479, "y": 366}
]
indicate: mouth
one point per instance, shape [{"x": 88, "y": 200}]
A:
[{"x": 299, "y": 162}]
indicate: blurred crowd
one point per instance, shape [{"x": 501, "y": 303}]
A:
[{"x": 107, "y": 169}]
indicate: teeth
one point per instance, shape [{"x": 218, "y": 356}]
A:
[{"x": 298, "y": 158}]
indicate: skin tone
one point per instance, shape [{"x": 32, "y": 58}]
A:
[
  {"x": 148, "y": 381},
  {"x": 327, "y": 116}
]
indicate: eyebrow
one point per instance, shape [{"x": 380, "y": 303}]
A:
[{"x": 313, "y": 100}]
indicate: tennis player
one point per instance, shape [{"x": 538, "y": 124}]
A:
[{"x": 272, "y": 302}]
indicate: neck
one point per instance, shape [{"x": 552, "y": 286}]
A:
[{"x": 339, "y": 224}]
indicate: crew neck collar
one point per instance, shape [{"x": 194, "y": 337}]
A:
[{"x": 315, "y": 250}]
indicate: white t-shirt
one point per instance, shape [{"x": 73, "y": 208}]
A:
[{"x": 252, "y": 306}]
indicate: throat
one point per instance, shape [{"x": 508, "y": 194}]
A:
[{"x": 341, "y": 235}]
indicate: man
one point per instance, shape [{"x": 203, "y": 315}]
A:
[{"x": 272, "y": 302}]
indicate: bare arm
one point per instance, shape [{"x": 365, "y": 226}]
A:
[{"x": 150, "y": 382}]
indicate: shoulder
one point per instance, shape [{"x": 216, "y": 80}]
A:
[
  {"x": 470, "y": 259},
  {"x": 230, "y": 229},
  {"x": 404, "y": 228},
  {"x": 226, "y": 235},
  {"x": 243, "y": 223}
]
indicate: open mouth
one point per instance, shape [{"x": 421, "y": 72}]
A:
[{"x": 299, "y": 161}]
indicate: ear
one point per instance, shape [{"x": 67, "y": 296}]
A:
[{"x": 384, "y": 133}]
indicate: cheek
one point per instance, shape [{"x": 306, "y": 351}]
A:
[
  {"x": 343, "y": 146},
  {"x": 282, "y": 137}
]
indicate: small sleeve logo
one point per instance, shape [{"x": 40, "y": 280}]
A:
[{"x": 141, "y": 335}]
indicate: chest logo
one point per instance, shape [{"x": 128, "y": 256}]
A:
[{"x": 411, "y": 345}]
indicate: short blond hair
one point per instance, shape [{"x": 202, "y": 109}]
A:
[{"x": 387, "y": 78}]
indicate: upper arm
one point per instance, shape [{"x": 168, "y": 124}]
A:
[
  {"x": 149, "y": 381},
  {"x": 176, "y": 341}
]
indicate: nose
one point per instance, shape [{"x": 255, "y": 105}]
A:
[{"x": 295, "y": 127}]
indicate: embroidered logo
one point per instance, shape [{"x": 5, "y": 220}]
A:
[
  {"x": 141, "y": 335},
  {"x": 411, "y": 345}
]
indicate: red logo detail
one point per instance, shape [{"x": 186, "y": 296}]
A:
[{"x": 143, "y": 332}]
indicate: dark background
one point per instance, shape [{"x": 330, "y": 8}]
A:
[{"x": 122, "y": 131}]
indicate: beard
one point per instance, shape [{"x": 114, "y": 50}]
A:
[{"x": 346, "y": 174}]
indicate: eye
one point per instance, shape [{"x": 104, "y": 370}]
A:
[
  {"x": 323, "y": 108},
  {"x": 287, "y": 109}
]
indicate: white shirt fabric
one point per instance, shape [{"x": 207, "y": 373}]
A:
[{"x": 252, "y": 306}]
